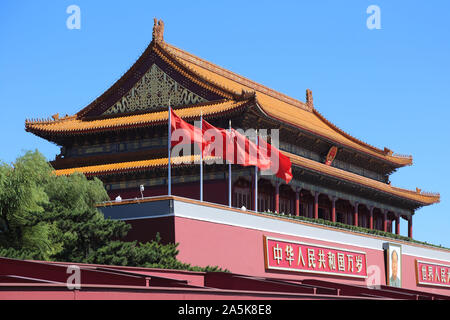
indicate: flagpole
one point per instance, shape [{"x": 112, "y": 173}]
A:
[
  {"x": 169, "y": 136},
  {"x": 256, "y": 177},
  {"x": 201, "y": 158},
  {"x": 229, "y": 173}
]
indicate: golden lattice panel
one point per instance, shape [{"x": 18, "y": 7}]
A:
[{"x": 152, "y": 91}]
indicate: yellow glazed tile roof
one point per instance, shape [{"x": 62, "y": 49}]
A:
[
  {"x": 112, "y": 168},
  {"x": 280, "y": 106},
  {"x": 274, "y": 104},
  {"x": 423, "y": 198},
  {"x": 74, "y": 125}
]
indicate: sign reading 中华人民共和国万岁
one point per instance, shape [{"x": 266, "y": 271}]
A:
[
  {"x": 288, "y": 255},
  {"x": 432, "y": 274}
]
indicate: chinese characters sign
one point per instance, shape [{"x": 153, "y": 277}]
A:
[
  {"x": 303, "y": 257},
  {"x": 432, "y": 274}
]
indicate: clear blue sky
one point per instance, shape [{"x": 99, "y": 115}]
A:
[{"x": 387, "y": 87}]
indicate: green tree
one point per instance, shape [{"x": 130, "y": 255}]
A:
[
  {"x": 152, "y": 254},
  {"x": 49, "y": 217},
  {"x": 22, "y": 200},
  {"x": 82, "y": 228}
]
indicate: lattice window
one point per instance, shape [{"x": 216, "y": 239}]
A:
[
  {"x": 304, "y": 209},
  {"x": 242, "y": 197},
  {"x": 265, "y": 202},
  {"x": 286, "y": 206},
  {"x": 340, "y": 217}
]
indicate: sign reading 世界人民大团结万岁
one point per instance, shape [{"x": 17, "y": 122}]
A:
[
  {"x": 432, "y": 274},
  {"x": 288, "y": 255}
]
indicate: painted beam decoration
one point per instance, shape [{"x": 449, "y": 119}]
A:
[
  {"x": 288, "y": 255},
  {"x": 432, "y": 274}
]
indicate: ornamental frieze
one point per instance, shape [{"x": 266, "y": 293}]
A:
[{"x": 153, "y": 91}]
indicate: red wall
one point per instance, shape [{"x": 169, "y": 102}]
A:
[
  {"x": 240, "y": 250},
  {"x": 144, "y": 230}
]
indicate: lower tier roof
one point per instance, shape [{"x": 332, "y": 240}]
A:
[{"x": 144, "y": 165}]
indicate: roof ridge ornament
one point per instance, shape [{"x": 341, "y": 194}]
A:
[
  {"x": 158, "y": 30},
  {"x": 247, "y": 94},
  {"x": 388, "y": 151},
  {"x": 309, "y": 99}
]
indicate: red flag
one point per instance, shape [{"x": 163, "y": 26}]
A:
[
  {"x": 280, "y": 164},
  {"x": 215, "y": 141},
  {"x": 219, "y": 142},
  {"x": 248, "y": 153},
  {"x": 233, "y": 147},
  {"x": 186, "y": 130}
]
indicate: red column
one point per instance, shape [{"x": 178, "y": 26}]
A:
[
  {"x": 355, "y": 215},
  {"x": 385, "y": 222},
  {"x": 371, "y": 217},
  {"x": 410, "y": 227},
  {"x": 277, "y": 198},
  {"x": 316, "y": 205},
  {"x": 297, "y": 202},
  {"x": 333, "y": 209},
  {"x": 397, "y": 224}
]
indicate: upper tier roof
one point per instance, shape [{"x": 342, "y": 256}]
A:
[
  {"x": 226, "y": 86},
  {"x": 281, "y": 107}
]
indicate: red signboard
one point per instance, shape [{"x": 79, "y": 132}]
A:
[
  {"x": 295, "y": 256},
  {"x": 331, "y": 155},
  {"x": 432, "y": 274}
]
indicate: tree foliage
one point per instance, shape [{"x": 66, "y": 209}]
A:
[
  {"x": 22, "y": 201},
  {"x": 49, "y": 217}
]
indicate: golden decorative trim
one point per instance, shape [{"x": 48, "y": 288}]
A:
[{"x": 74, "y": 125}]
